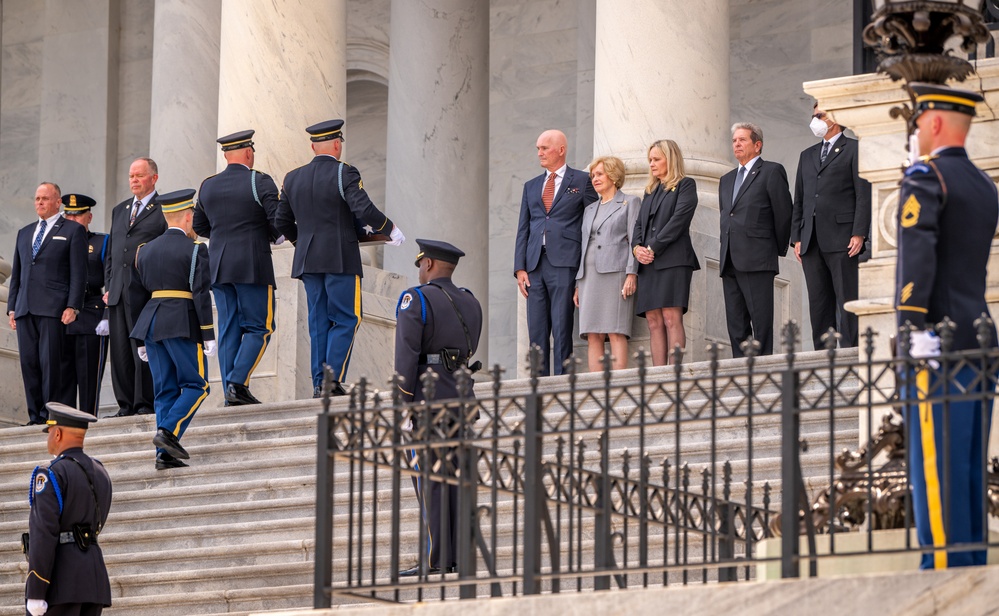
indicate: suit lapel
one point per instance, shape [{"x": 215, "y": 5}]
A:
[
  {"x": 145, "y": 211},
  {"x": 56, "y": 226},
  {"x": 617, "y": 203},
  {"x": 817, "y": 156},
  {"x": 657, "y": 201},
  {"x": 833, "y": 153},
  {"x": 566, "y": 180}
]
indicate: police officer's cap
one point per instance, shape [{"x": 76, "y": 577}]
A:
[
  {"x": 324, "y": 131},
  {"x": 236, "y": 141},
  {"x": 435, "y": 249},
  {"x": 77, "y": 204},
  {"x": 943, "y": 98},
  {"x": 67, "y": 417},
  {"x": 177, "y": 201}
]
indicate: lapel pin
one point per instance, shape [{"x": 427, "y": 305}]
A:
[{"x": 836, "y": 150}]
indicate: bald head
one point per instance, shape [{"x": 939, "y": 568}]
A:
[{"x": 552, "y": 147}]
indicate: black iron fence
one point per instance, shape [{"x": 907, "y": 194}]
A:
[{"x": 650, "y": 476}]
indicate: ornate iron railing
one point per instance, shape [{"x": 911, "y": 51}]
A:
[{"x": 651, "y": 476}]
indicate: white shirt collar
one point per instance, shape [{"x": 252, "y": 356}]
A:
[
  {"x": 51, "y": 219},
  {"x": 833, "y": 139},
  {"x": 751, "y": 162},
  {"x": 145, "y": 200},
  {"x": 559, "y": 173}
]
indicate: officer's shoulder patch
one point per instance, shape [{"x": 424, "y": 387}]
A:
[
  {"x": 405, "y": 300},
  {"x": 41, "y": 480},
  {"x": 917, "y": 168},
  {"x": 909, "y": 214}
]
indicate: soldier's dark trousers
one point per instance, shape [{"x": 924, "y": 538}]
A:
[
  {"x": 246, "y": 322},
  {"x": 86, "y": 357},
  {"x": 334, "y": 316},
  {"x": 432, "y": 503},
  {"x": 180, "y": 381}
]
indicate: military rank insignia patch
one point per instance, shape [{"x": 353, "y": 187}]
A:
[
  {"x": 907, "y": 292},
  {"x": 406, "y": 300},
  {"x": 90, "y": 249},
  {"x": 360, "y": 184},
  {"x": 41, "y": 480},
  {"x": 910, "y": 212}
]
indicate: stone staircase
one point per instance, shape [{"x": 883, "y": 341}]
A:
[{"x": 234, "y": 532}]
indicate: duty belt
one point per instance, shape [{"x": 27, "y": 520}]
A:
[
  {"x": 172, "y": 294},
  {"x": 67, "y": 537}
]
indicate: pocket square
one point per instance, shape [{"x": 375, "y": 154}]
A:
[{"x": 58, "y": 237}]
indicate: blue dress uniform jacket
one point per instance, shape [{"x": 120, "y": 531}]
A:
[
  {"x": 235, "y": 212},
  {"x": 60, "y": 497},
  {"x": 320, "y": 222},
  {"x": 165, "y": 264},
  {"x": 56, "y": 278},
  {"x": 92, "y": 310}
]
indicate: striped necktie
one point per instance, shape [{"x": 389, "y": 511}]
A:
[{"x": 38, "y": 239}]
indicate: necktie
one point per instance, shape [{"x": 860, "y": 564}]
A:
[
  {"x": 825, "y": 150},
  {"x": 548, "y": 194},
  {"x": 135, "y": 212},
  {"x": 739, "y": 177},
  {"x": 38, "y": 239}
]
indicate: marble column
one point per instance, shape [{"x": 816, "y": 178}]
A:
[
  {"x": 437, "y": 180},
  {"x": 79, "y": 97},
  {"x": 185, "y": 88},
  {"x": 661, "y": 71}
]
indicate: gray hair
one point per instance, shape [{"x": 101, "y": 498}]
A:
[
  {"x": 152, "y": 164},
  {"x": 755, "y": 132}
]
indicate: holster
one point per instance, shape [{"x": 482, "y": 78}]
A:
[
  {"x": 83, "y": 535},
  {"x": 451, "y": 358}
]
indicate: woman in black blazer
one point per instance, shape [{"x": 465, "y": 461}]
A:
[{"x": 661, "y": 244}]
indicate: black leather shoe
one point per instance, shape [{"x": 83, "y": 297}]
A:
[
  {"x": 123, "y": 413},
  {"x": 170, "y": 443},
  {"x": 237, "y": 394},
  {"x": 165, "y": 461},
  {"x": 145, "y": 411},
  {"x": 335, "y": 390},
  {"x": 415, "y": 571}
]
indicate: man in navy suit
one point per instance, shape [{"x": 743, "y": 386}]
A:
[
  {"x": 235, "y": 209},
  {"x": 755, "y": 208},
  {"x": 45, "y": 294},
  {"x": 831, "y": 220},
  {"x": 135, "y": 221},
  {"x": 321, "y": 203},
  {"x": 547, "y": 253}
]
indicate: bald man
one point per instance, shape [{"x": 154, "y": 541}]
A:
[
  {"x": 547, "y": 253},
  {"x": 947, "y": 215}
]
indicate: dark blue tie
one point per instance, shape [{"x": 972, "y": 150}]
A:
[
  {"x": 38, "y": 239},
  {"x": 738, "y": 183},
  {"x": 825, "y": 151}
]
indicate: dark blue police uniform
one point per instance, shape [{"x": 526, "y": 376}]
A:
[
  {"x": 235, "y": 209},
  {"x": 437, "y": 329},
  {"x": 320, "y": 203},
  {"x": 171, "y": 295},
  {"x": 948, "y": 210}
]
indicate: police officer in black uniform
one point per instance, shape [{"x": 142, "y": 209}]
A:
[
  {"x": 172, "y": 305},
  {"x": 437, "y": 330},
  {"x": 70, "y": 500},
  {"x": 321, "y": 205},
  {"x": 87, "y": 336},
  {"x": 948, "y": 210},
  {"x": 235, "y": 209}
]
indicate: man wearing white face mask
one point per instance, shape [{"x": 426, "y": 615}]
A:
[{"x": 830, "y": 220}]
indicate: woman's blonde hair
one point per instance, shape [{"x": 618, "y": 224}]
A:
[
  {"x": 674, "y": 165},
  {"x": 613, "y": 168}
]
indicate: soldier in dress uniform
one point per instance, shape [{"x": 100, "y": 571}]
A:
[
  {"x": 947, "y": 217},
  {"x": 320, "y": 204},
  {"x": 437, "y": 329},
  {"x": 173, "y": 324},
  {"x": 70, "y": 500},
  {"x": 235, "y": 209},
  {"x": 87, "y": 336}
]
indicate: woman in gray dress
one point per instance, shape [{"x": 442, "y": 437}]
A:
[{"x": 606, "y": 282}]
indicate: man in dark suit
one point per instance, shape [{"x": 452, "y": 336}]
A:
[
  {"x": 947, "y": 215},
  {"x": 172, "y": 310},
  {"x": 830, "y": 221},
  {"x": 547, "y": 254},
  {"x": 235, "y": 209},
  {"x": 70, "y": 499},
  {"x": 437, "y": 330},
  {"x": 755, "y": 208},
  {"x": 320, "y": 204},
  {"x": 134, "y": 222},
  {"x": 45, "y": 294},
  {"x": 86, "y": 337}
]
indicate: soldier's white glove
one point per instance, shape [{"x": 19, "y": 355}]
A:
[
  {"x": 924, "y": 344},
  {"x": 37, "y": 607},
  {"x": 102, "y": 328},
  {"x": 210, "y": 348},
  {"x": 142, "y": 354},
  {"x": 397, "y": 237},
  {"x": 279, "y": 241}
]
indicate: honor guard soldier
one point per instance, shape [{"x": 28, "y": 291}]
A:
[
  {"x": 320, "y": 205},
  {"x": 235, "y": 209},
  {"x": 70, "y": 500},
  {"x": 173, "y": 324},
  {"x": 437, "y": 329},
  {"x": 87, "y": 336},
  {"x": 946, "y": 220}
]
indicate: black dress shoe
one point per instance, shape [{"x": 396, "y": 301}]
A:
[
  {"x": 237, "y": 394},
  {"x": 415, "y": 571},
  {"x": 165, "y": 461},
  {"x": 145, "y": 411},
  {"x": 167, "y": 441},
  {"x": 336, "y": 389},
  {"x": 123, "y": 413}
]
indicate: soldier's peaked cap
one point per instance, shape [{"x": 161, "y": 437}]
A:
[
  {"x": 77, "y": 204},
  {"x": 436, "y": 249},
  {"x": 936, "y": 96},
  {"x": 324, "y": 131},
  {"x": 237, "y": 141},
  {"x": 67, "y": 417},
  {"x": 177, "y": 201}
]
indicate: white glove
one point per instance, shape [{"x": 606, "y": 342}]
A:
[
  {"x": 924, "y": 344},
  {"x": 279, "y": 241},
  {"x": 142, "y": 354},
  {"x": 102, "y": 328},
  {"x": 37, "y": 607},
  {"x": 397, "y": 237},
  {"x": 210, "y": 348}
]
